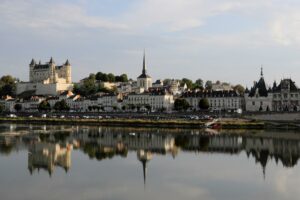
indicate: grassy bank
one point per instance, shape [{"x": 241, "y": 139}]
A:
[{"x": 174, "y": 123}]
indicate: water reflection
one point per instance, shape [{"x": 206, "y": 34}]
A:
[{"x": 50, "y": 147}]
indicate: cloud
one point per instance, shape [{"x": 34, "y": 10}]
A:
[
  {"x": 285, "y": 28},
  {"x": 43, "y": 16},
  {"x": 175, "y": 15}
]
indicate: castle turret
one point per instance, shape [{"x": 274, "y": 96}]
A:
[{"x": 68, "y": 71}]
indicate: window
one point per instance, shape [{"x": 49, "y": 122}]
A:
[{"x": 253, "y": 103}]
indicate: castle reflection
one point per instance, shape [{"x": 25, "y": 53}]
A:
[{"x": 50, "y": 147}]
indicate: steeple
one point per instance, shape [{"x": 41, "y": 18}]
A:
[
  {"x": 32, "y": 62},
  {"x": 67, "y": 62},
  {"x": 261, "y": 72},
  {"x": 144, "y": 65},
  {"x": 51, "y": 61}
]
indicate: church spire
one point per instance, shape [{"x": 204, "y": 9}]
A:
[
  {"x": 144, "y": 64},
  {"x": 261, "y": 72}
]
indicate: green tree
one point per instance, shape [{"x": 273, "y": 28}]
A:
[
  {"x": 111, "y": 77},
  {"x": 18, "y": 107},
  {"x": 203, "y": 104},
  {"x": 44, "y": 106},
  {"x": 7, "y": 85},
  {"x": 181, "y": 104},
  {"x": 239, "y": 88},
  {"x": 124, "y": 78},
  {"x": 188, "y": 82},
  {"x": 148, "y": 107},
  {"x": 208, "y": 85},
  {"x": 61, "y": 106},
  {"x": 199, "y": 82},
  {"x": 1, "y": 108}
]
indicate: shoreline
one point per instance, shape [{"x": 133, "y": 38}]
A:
[
  {"x": 150, "y": 123},
  {"x": 233, "y": 123}
]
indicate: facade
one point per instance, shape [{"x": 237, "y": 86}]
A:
[
  {"x": 286, "y": 96},
  {"x": 259, "y": 98},
  {"x": 47, "y": 79},
  {"x": 158, "y": 100},
  {"x": 144, "y": 81},
  {"x": 282, "y": 97},
  {"x": 218, "y": 100}
]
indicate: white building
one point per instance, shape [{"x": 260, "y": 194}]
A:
[
  {"x": 218, "y": 100},
  {"x": 47, "y": 79},
  {"x": 158, "y": 100},
  {"x": 259, "y": 98},
  {"x": 286, "y": 96}
]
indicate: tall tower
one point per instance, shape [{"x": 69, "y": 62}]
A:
[
  {"x": 68, "y": 72},
  {"x": 31, "y": 67},
  {"x": 144, "y": 80},
  {"x": 52, "y": 71}
]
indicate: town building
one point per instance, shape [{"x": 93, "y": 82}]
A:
[
  {"x": 218, "y": 100},
  {"x": 286, "y": 96},
  {"x": 259, "y": 97},
  {"x": 47, "y": 79},
  {"x": 156, "y": 100}
]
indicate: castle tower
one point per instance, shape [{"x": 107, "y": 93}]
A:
[
  {"x": 31, "y": 67},
  {"x": 144, "y": 80},
  {"x": 52, "y": 71},
  {"x": 68, "y": 72}
]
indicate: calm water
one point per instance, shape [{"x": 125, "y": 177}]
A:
[{"x": 69, "y": 162}]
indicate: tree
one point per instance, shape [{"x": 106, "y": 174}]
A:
[
  {"x": 181, "y": 104},
  {"x": 203, "y": 104},
  {"x": 44, "y": 106},
  {"x": 239, "y": 88},
  {"x": 124, "y": 78},
  {"x": 18, "y": 107},
  {"x": 208, "y": 85},
  {"x": 61, "y": 106},
  {"x": 111, "y": 77},
  {"x": 188, "y": 82},
  {"x": 1, "y": 108},
  {"x": 148, "y": 107},
  {"x": 7, "y": 85}
]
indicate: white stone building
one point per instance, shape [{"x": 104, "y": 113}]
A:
[
  {"x": 47, "y": 79},
  {"x": 259, "y": 98},
  {"x": 158, "y": 100},
  {"x": 286, "y": 96},
  {"x": 218, "y": 100}
]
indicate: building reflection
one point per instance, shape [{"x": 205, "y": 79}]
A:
[
  {"x": 51, "y": 146},
  {"x": 47, "y": 156}
]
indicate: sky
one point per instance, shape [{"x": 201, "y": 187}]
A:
[{"x": 226, "y": 40}]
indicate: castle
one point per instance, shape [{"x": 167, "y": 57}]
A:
[{"x": 47, "y": 79}]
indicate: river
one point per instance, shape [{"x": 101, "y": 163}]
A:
[{"x": 85, "y": 162}]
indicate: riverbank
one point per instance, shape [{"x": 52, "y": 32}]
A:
[{"x": 159, "y": 123}]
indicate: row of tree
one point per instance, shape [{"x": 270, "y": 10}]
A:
[
  {"x": 181, "y": 104},
  {"x": 89, "y": 87},
  {"x": 100, "y": 76},
  {"x": 199, "y": 84},
  {"x": 45, "y": 106}
]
